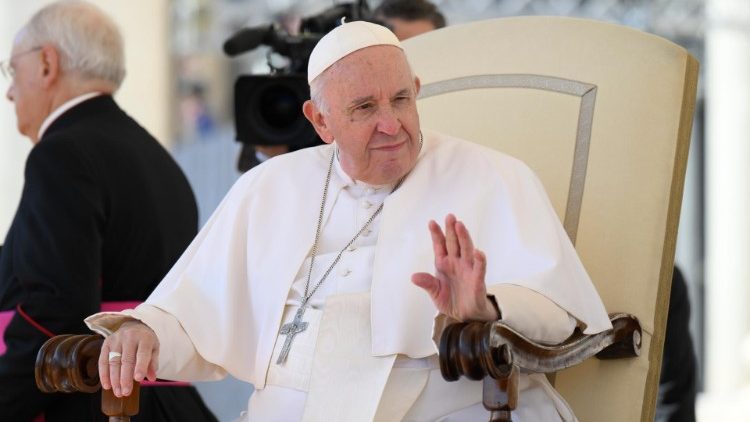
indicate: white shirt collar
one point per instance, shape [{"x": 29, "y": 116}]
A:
[{"x": 62, "y": 109}]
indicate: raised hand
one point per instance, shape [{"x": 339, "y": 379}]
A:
[
  {"x": 130, "y": 353},
  {"x": 457, "y": 288}
]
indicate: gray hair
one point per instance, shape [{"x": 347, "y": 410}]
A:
[
  {"x": 88, "y": 41},
  {"x": 317, "y": 86}
]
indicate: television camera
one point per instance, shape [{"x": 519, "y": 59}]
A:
[{"x": 268, "y": 107}]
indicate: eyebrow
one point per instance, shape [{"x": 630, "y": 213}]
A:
[
  {"x": 361, "y": 100},
  {"x": 405, "y": 91},
  {"x": 357, "y": 101}
]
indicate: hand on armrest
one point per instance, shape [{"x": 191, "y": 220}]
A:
[{"x": 130, "y": 353}]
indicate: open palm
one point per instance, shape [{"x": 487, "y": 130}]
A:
[{"x": 458, "y": 287}]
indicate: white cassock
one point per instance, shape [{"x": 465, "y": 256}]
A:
[{"x": 220, "y": 307}]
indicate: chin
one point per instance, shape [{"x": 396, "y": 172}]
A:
[
  {"x": 392, "y": 173},
  {"x": 30, "y": 134},
  {"x": 23, "y": 131}
]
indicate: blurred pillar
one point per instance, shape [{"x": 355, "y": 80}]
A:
[
  {"x": 147, "y": 93},
  {"x": 727, "y": 86}
]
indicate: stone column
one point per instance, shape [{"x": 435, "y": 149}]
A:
[
  {"x": 727, "y": 68},
  {"x": 147, "y": 93}
]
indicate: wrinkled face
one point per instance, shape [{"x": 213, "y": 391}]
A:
[
  {"x": 371, "y": 114},
  {"x": 26, "y": 89}
]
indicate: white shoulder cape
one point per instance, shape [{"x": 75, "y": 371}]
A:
[{"x": 229, "y": 287}]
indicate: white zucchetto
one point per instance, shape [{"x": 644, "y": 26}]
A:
[{"x": 344, "y": 40}]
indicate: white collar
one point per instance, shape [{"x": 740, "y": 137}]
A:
[{"x": 62, "y": 109}]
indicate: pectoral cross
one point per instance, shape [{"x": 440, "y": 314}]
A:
[{"x": 290, "y": 330}]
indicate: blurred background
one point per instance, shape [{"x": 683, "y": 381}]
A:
[{"x": 180, "y": 85}]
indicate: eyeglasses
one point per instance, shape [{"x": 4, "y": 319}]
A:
[{"x": 5, "y": 66}]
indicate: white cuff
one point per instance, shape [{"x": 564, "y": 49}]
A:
[{"x": 532, "y": 314}]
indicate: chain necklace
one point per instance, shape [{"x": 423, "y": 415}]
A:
[{"x": 291, "y": 329}]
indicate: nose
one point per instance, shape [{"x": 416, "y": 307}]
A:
[
  {"x": 388, "y": 122},
  {"x": 9, "y": 93}
]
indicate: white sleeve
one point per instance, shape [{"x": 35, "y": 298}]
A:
[
  {"x": 532, "y": 314},
  {"x": 178, "y": 359}
]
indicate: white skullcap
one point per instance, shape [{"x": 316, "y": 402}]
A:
[{"x": 344, "y": 40}]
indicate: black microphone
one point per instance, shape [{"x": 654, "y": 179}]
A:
[{"x": 247, "y": 39}]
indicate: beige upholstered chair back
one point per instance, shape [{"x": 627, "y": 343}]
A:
[{"x": 603, "y": 114}]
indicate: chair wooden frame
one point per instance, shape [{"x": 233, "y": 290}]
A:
[
  {"x": 497, "y": 353},
  {"x": 69, "y": 363}
]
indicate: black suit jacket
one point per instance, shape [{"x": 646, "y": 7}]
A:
[{"x": 104, "y": 214}]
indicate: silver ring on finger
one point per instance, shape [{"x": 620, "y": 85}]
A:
[{"x": 114, "y": 357}]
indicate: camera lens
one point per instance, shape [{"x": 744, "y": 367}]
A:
[
  {"x": 268, "y": 110},
  {"x": 280, "y": 106}
]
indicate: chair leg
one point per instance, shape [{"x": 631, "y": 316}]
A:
[
  {"x": 500, "y": 396},
  {"x": 501, "y": 393},
  {"x": 120, "y": 409},
  {"x": 500, "y": 416}
]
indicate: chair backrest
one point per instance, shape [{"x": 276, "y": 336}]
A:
[{"x": 603, "y": 114}]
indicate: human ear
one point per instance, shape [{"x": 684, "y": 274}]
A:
[
  {"x": 50, "y": 66},
  {"x": 318, "y": 120}
]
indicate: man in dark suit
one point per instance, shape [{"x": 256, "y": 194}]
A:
[{"x": 104, "y": 212}]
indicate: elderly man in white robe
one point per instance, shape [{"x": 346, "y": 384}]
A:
[{"x": 309, "y": 279}]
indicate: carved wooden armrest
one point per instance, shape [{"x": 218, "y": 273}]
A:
[
  {"x": 69, "y": 363},
  {"x": 497, "y": 353}
]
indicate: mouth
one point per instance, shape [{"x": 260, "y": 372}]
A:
[{"x": 391, "y": 147}]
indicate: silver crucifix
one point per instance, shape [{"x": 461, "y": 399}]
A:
[{"x": 290, "y": 330}]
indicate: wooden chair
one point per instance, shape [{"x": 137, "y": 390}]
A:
[{"x": 603, "y": 114}]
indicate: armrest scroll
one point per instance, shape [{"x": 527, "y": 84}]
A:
[
  {"x": 69, "y": 363},
  {"x": 497, "y": 353}
]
